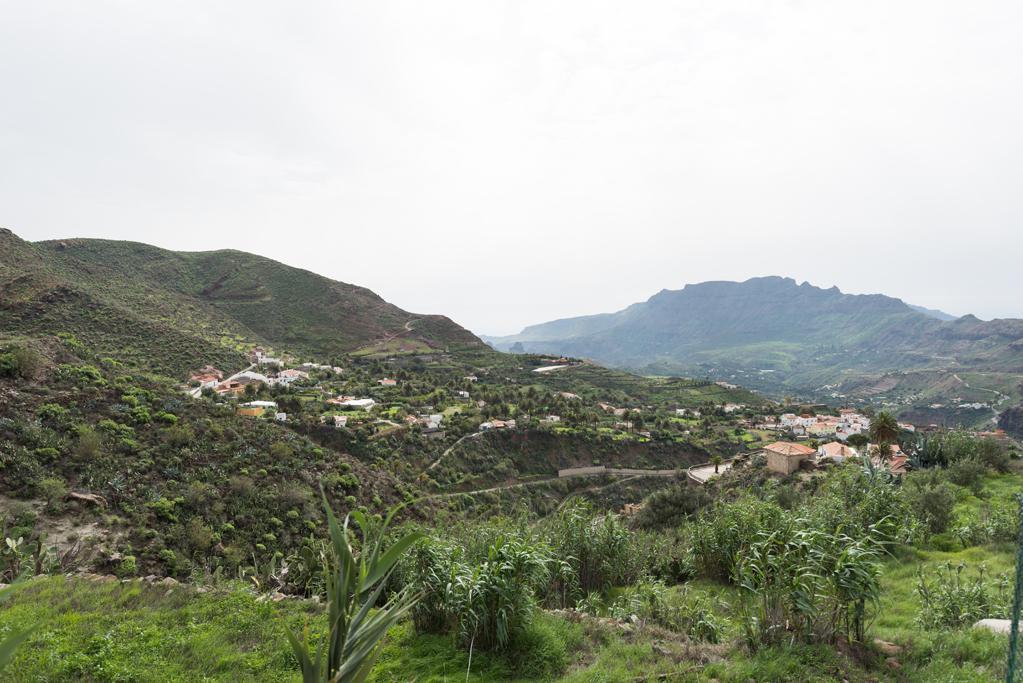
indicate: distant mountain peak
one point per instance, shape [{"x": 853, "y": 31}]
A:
[{"x": 803, "y": 335}]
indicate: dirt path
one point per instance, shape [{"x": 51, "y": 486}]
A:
[{"x": 451, "y": 448}]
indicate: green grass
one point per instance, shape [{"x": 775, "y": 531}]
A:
[
  {"x": 90, "y": 631},
  {"x": 998, "y": 489}
]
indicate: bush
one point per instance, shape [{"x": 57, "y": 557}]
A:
[
  {"x": 993, "y": 454},
  {"x": 953, "y": 600},
  {"x": 599, "y": 550},
  {"x": 990, "y": 525},
  {"x": 722, "y": 532},
  {"x": 89, "y": 445},
  {"x": 127, "y": 567},
  {"x": 807, "y": 584},
  {"x": 968, "y": 472},
  {"x": 20, "y": 363},
  {"x": 931, "y": 499},
  {"x": 671, "y": 506},
  {"x": 666, "y": 556},
  {"x": 54, "y": 491},
  {"x": 486, "y": 601}
]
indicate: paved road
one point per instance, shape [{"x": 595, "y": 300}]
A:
[{"x": 705, "y": 473}]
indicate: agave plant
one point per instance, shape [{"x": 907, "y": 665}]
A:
[{"x": 354, "y": 585}]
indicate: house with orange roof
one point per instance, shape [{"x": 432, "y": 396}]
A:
[
  {"x": 836, "y": 451},
  {"x": 784, "y": 457}
]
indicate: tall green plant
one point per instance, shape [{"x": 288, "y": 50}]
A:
[{"x": 355, "y": 583}]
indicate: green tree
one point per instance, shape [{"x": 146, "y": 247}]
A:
[
  {"x": 884, "y": 431},
  {"x": 716, "y": 461}
]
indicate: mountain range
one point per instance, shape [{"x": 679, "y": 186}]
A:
[
  {"x": 774, "y": 334},
  {"x": 173, "y": 311}
]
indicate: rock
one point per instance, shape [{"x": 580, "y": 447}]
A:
[
  {"x": 996, "y": 625},
  {"x": 277, "y": 597},
  {"x": 893, "y": 663},
  {"x": 150, "y": 578},
  {"x": 168, "y": 581},
  {"x": 887, "y": 648},
  {"x": 109, "y": 578},
  {"x": 92, "y": 498}
]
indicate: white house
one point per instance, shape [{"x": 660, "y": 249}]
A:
[
  {"x": 281, "y": 417},
  {"x": 286, "y": 377}
]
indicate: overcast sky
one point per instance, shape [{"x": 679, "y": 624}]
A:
[{"x": 510, "y": 163}]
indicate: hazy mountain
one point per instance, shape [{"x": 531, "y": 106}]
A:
[
  {"x": 786, "y": 333},
  {"x": 174, "y": 310},
  {"x": 933, "y": 312}
]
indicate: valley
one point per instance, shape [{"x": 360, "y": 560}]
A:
[{"x": 177, "y": 428}]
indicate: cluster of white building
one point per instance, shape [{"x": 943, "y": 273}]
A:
[{"x": 849, "y": 421}]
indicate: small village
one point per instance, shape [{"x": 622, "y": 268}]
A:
[{"x": 369, "y": 399}]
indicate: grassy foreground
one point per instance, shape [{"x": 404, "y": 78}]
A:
[
  {"x": 91, "y": 630},
  {"x": 95, "y": 631}
]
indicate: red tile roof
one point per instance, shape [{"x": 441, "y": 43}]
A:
[{"x": 789, "y": 449}]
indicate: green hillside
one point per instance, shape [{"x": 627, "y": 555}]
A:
[{"x": 172, "y": 311}]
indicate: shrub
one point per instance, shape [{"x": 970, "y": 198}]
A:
[
  {"x": 679, "y": 611},
  {"x": 21, "y": 363},
  {"x": 968, "y": 472},
  {"x": 672, "y": 506},
  {"x": 990, "y": 525},
  {"x": 166, "y": 418},
  {"x": 89, "y": 444},
  {"x": 666, "y": 556},
  {"x": 52, "y": 413},
  {"x": 127, "y": 567},
  {"x": 993, "y": 454},
  {"x": 806, "y": 584},
  {"x": 953, "y": 600},
  {"x": 720, "y": 534},
  {"x": 54, "y": 491},
  {"x": 47, "y": 454},
  {"x": 931, "y": 500},
  {"x": 177, "y": 437},
  {"x": 169, "y": 559},
  {"x": 81, "y": 374},
  {"x": 598, "y": 549}
]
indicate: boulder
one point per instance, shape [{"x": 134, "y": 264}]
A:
[{"x": 996, "y": 625}]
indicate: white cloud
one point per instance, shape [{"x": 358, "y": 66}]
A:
[{"x": 507, "y": 163}]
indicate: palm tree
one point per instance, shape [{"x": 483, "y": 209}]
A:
[
  {"x": 884, "y": 431},
  {"x": 716, "y": 461},
  {"x": 354, "y": 585}
]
